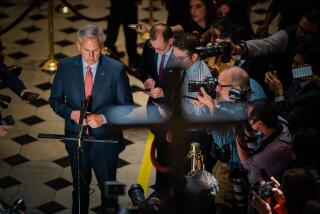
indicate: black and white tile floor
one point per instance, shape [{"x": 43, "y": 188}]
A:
[{"x": 37, "y": 170}]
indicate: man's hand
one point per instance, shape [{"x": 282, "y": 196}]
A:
[
  {"x": 149, "y": 84},
  {"x": 156, "y": 93},
  {"x": 260, "y": 205},
  {"x": 75, "y": 116},
  {"x": 271, "y": 78},
  {"x": 143, "y": 28},
  {"x": 95, "y": 120},
  {"x": 205, "y": 99},
  {"x": 4, "y": 130}
]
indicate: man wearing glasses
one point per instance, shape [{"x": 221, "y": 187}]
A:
[
  {"x": 224, "y": 140},
  {"x": 156, "y": 58},
  {"x": 195, "y": 69}
]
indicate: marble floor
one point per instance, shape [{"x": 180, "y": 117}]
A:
[{"x": 37, "y": 170}]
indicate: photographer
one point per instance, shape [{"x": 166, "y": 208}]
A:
[
  {"x": 233, "y": 89},
  {"x": 272, "y": 152},
  {"x": 296, "y": 189},
  {"x": 188, "y": 58},
  {"x": 279, "y": 46}
]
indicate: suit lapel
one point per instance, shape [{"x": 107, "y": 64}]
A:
[
  {"x": 99, "y": 78},
  {"x": 79, "y": 81},
  {"x": 155, "y": 62}
]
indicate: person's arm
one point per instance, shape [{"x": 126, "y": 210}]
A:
[
  {"x": 11, "y": 81},
  {"x": 276, "y": 43}
]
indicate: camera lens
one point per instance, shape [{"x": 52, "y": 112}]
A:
[{"x": 136, "y": 195}]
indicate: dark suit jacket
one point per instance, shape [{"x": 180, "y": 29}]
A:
[
  {"x": 111, "y": 87},
  {"x": 10, "y": 80},
  {"x": 149, "y": 70}
]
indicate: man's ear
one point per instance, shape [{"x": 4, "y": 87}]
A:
[{"x": 78, "y": 45}]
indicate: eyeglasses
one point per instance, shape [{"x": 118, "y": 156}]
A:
[
  {"x": 223, "y": 86},
  {"x": 158, "y": 49}
]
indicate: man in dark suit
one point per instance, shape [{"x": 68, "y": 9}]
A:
[
  {"x": 157, "y": 57},
  {"x": 102, "y": 82}
]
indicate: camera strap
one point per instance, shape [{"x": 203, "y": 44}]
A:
[{"x": 270, "y": 138}]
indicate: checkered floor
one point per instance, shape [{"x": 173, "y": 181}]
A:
[{"x": 37, "y": 170}]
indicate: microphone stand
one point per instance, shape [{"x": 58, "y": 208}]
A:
[{"x": 83, "y": 110}]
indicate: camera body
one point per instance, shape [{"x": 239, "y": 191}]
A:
[
  {"x": 209, "y": 86},
  {"x": 136, "y": 195},
  {"x": 223, "y": 50},
  {"x": 264, "y": 189}
]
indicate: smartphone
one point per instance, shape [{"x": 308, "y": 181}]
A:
[
  {"x": 304, "y": 71},
  {"x": 133, "y": 26}
]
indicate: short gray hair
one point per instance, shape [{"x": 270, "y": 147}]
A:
[
  {"x": 92, "y": 31},
  {"x": 239, "y": 77}
]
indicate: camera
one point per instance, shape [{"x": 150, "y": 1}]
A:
[
  {"x": 247, "y": 137},
  {"x": 136, "y": 195},
  {"x": 17, "y": 208},
  {"x": 223, "y": 50},
  {"x": 209, "y": 86},
  {"x": 238, "y": 178},
  {"x": 264, "y": 189}
]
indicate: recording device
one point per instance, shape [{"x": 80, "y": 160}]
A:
[
  {"x": 264, "y": 189},
  {"x": 133, "y": 26},
  {"x": 247, "y": 137},
  {"x": 5, "y": 101},
  {"x": 30, "y": 96},
  {"x": 136, "y": 195},
  {"x": 209, "y": 86},
  {"x": 17, "y": 208},
  {"x": 300, "y": 72},
  {"x": 238, "y": 178},
  {"x": 222, "y": 49}
]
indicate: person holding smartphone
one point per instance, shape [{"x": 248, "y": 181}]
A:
[{"x": 299, "y": 103}]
